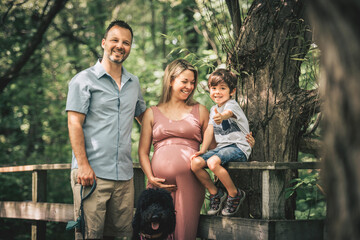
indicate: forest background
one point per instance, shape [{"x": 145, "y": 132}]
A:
[{"x": 43, "y": 44}]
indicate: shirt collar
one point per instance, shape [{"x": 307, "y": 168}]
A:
[{"x": 100, "y": 71}]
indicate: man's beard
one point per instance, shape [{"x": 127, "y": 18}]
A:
[{"x": 118, "y": 61}]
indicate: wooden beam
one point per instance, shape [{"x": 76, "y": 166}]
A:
[
  {"x": 254, "y": 165},
  {"x": 39, "y": 181},
  {"x": 58, "y": 166},
  {"x": 26, "y": 168},
  {"x": 217, "y": 227},
  {"x": 273, "y": 197},
  {"x": 139, "y": 184},
  {"x": 55, "y": 212}
]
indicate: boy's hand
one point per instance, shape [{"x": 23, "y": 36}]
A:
[
  {"x": 196, "y": 154},
  {"x": 218, "y": 118}
]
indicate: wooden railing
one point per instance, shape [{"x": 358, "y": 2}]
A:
[{"x": 273, "y": 224}]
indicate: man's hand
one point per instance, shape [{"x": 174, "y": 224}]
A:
[
  {"x": 250, "y": 139},
  {"x": 86, "y": 175}
]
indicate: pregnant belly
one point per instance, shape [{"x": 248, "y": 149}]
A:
[{"x": 171, "y": 161}]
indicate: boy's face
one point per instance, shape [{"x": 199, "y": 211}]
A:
[{"x": 220, "y": 93}]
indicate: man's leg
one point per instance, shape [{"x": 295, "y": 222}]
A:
[{"x": 120, "y": 208}]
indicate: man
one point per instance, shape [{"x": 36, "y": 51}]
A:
[{"x": 101, "y": 105}]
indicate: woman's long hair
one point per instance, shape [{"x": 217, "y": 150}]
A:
[{"x": 172, "y": 71}]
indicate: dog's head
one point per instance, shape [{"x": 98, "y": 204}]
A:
[{"x": 155, "y": 215}]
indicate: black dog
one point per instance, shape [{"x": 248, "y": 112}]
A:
[{"x": 155, "y": 215}]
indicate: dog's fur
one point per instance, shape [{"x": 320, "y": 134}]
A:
[{"x": 155, "y": 215}]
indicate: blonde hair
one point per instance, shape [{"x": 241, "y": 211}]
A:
[{"x": 172, "y": 71}]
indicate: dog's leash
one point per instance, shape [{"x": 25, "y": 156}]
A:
[{"x": 80, "y": 221}]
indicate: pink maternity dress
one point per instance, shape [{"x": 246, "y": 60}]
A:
[{"x": 174, "y": 143}]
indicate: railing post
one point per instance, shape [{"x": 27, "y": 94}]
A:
[
  {"x": 38, "y": 228},
  {"x": 139, "y": 183},
  {"x": 273, "y": 197}
]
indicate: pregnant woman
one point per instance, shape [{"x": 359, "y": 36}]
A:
[{"x": 175, "y": 127}]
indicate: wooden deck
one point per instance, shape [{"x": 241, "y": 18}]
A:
[{"x": 272, "y": 226}]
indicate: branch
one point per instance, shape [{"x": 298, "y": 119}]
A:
[
  {"x": 315, "y": 125},
  {"x": 310, "y": 102},
  {"x": 205, "y": 34},
  {"x": 311, "y": 145},
  {"x": 35, "y": 41},
  {"x": 71, "y": 36},
  {"x": 234, "y": 10}
]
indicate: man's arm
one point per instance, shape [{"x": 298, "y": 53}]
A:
[
  {"x": 86, "y": 174},
  {"x": 139, "y": 118}
]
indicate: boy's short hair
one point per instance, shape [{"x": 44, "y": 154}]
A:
[
  {"x": 222, "y": 75},
  {"x": 119, "y": 23}
]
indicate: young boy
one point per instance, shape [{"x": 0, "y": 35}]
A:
[{"x": 230, "y": 126}]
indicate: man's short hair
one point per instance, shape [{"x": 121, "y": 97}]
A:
[{"x": 119, "y": 23}]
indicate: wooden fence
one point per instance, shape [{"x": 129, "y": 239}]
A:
[{"x": 272, "y": 226}]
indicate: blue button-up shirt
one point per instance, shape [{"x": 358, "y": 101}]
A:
[{"x": 109, "y": 119}]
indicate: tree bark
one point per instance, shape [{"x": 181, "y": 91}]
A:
[
  {"x": 273, "y": 33},
  {"x": 336, "y": 24}
]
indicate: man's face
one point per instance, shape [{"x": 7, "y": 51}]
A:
[{"x": 117, "y": 44}]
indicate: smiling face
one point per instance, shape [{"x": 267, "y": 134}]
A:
[
  {"x": 220, "y": 93},
  {"x": 117, "y": 44},
  {"x": 183, "y": 85}
]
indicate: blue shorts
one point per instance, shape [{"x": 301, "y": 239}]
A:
[{"x": 230, "y": 153}]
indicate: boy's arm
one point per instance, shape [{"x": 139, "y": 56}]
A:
[
  {"x": 207, "y": 141},
  {"x": 208, "y": 138},
  {"x": 219, "y": 117}
]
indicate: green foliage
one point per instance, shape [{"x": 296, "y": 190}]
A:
[
  {"x": 33, "y": 121},
  {"x": 310, "y": 69},
  {"x": 310, "y": 200}
]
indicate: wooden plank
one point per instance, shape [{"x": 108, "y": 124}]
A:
[
  {"x": 58, "y": 166},
  {"x": 299, "y": 230},
  {"x": 254, "y": 165},
  {"x": 39, "y": 180},
  {"x": 26, "y": 168},
  {"x": 38, "y": 230},
  {"x": 217, "y": 227},
  {"x": 56, "y": 212}
]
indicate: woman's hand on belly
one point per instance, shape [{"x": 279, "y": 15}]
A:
[{"x": 160, "y": 183}]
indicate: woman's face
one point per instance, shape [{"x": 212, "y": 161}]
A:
[{"x": 183, "y": 85}]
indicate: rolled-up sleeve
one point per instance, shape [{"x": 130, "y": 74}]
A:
[{"x": 140, "y": 105}]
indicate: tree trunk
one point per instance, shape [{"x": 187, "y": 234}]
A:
[
  {"x": 336, "y": 25},
  {"x": 272, "y": 35}
]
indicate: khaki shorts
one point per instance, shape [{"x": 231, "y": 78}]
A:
[{"x": 109, "y": 209}]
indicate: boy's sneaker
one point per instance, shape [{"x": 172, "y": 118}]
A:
[
  {"x": 233, "y": 203},
  {"x": 216, "y": 202}
]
